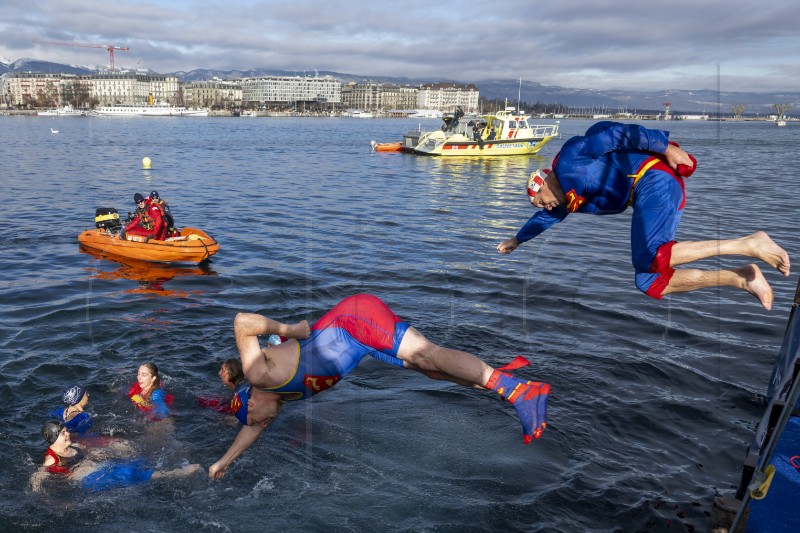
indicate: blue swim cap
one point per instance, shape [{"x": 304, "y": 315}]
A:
[
  {"x": 239, "y": 405},
  {"x": 73, "y": 395}
]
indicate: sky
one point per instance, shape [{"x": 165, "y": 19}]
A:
[{"x": 584, "y": 44}]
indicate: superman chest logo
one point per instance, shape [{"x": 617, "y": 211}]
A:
[
  {"x": 320, "y": 383},
  {"x": 574, "y": 201}
]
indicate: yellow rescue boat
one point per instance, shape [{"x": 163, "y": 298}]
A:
[{"x": 506, "y": 132}]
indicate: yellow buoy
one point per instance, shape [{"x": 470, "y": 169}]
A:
[{"x": 146, "y": 163}]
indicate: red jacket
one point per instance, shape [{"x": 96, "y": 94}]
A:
[{"x": 148, "y": 224}]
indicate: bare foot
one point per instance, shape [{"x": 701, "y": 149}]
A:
[
  {"x": 756, "y": 284},
  {"x": 767, "y": 250}
]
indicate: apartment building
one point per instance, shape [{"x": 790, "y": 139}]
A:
[
  {"x": 378, "y": 97},
  {"x": 447, "y": 97},
  {"x": 280, "y": 91},
  {"x": 214, "y": 93},
  {"x": 48, "y": 90}
]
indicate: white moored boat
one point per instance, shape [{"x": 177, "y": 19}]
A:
[
  {"x": 503, "y": 133},
  {"x": 63, "y": 111},
  {"x": 154, "y": 110}
]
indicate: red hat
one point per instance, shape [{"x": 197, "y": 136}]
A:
[{"x": 536, "y": 181}]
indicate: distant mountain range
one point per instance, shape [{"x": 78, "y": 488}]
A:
[{"x": 704, "y": 101}]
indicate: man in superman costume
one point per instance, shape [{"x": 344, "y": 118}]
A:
[
  {"x": 617, "y": 165},
  {"x": 313, "y": 359}
]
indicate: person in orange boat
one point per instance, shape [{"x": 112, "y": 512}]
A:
[
  {"x": 147, "y": 394},
  {"x": 168, "y": 229},
  {"x": 148, "y": 221},
  {"x": 312, "y": 359}
]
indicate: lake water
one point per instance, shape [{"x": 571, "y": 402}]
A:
[{"x": 653, "y": 403}]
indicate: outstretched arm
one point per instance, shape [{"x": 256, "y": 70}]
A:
[
  {"x": 247, "y": 436},
  {"x": 37, "y": 478},
  {"x": 248, "y": 326}
]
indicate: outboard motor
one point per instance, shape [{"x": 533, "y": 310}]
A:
[{"x": 107, "y": 218}]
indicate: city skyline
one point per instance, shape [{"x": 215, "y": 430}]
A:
[{"x": 581, "y": 44}]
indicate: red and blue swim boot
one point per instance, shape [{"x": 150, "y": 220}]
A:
[{"x": 529, "y": 398}]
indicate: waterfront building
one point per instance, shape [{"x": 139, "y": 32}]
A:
[
  {"x": 447, "y": 97},
  {"x": 50, "y": 90},
  {"x": 378, "y": 97},
  {"x": 285, "y": 91},
  {"x": 34, "y": 89},
  {"x": 134, "y": 88},
  {"x": 214, "y": 93}
]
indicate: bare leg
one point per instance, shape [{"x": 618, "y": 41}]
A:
[
  {"x": 748, "y": 277},
  {"x": 187, "y": 470},
  {"x": 528, "y": 398},
  {"x": 759, "y": 245},
  {"x": 437, "y": 362}
]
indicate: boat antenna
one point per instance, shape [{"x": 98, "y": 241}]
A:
[{"x": 519, "y": 96}]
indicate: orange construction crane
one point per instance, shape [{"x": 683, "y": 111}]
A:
[{"x": 108, "y": 47}]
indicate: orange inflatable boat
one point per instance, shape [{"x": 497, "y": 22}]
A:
[
  {"x": 387, "y": 147},
  {"x": 191, "y": 245}
]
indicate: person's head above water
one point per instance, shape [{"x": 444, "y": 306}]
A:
[
  {"x": 73, "y": 395},
  {"x": 231, "y": 373},
  {"x": 148, "y": 377},
  {"x": 51, "y": 430}
]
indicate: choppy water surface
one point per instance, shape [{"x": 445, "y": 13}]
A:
[{"x": 653, "y": 402}]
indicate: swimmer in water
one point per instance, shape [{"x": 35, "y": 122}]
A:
[
  {"x": 232, "y": 376},
  {"x": 92, "y": 470},
  {"x": 73, "y": 413},
  {"x": 313, "y": 359},
  {"x": 147, "y": 393}
]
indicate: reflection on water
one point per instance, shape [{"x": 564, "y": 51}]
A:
[
  {"x": 150, "y": 276},
  {"x": 489, "y": 165}
]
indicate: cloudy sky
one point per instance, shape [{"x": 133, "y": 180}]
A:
[{"x": 586, "y": 44}]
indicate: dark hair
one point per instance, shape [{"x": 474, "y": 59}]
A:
[
  {"x": 234, "y": 367},
  {"x": 51, "y": 430},
  {"x": 154, "y": 370}
]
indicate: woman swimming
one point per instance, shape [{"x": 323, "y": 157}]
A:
[{"x": 66, "y": 458}]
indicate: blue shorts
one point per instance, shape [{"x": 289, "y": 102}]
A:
[
  {"x": 116, "y": 474},
  {"x": 657, "y": 210}
]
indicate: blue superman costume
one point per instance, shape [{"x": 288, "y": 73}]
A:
[
  {"x": 363, "y": 325},
  {"x": 615, "y": 166}
]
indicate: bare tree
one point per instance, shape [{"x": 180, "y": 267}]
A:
[
  {"x": 781, "y": 109},
  {"x": 738, "y": 111}
]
